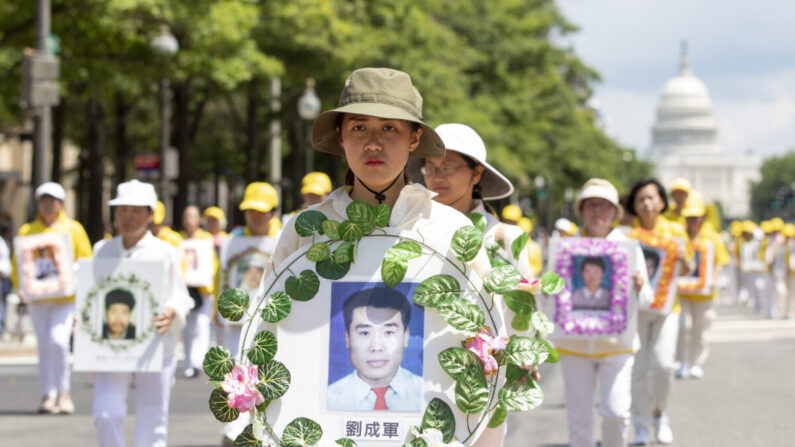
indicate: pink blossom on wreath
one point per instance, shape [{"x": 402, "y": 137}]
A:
[
  {"x": 241, "y": 386},
  {"x": 532, "y": 287},
  {"x": 484, "y": 345}
]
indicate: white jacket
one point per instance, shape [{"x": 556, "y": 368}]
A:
[
  {"x": 509, "y": 234},
  {"x": 150, "y": 248}
]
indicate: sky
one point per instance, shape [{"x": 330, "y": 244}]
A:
[{"x": 743, "y": 51}]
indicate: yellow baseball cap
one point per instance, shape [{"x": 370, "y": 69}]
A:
[
  {"x": 788, "y": 230},
  {"x": 736, "y": 228},
  {"x": 694, "y": 205},
  {"x": 159, "y": 213},
  {"x": 765, "y": 226},
  {"x": 512, "y": 212},
  {"x": 776, "y": 224},
  {"x": 316, "y": 183},
  {"x": 215, "y": 212},
  {"x": 260, "y": 196},
  {"x": 680, "y": 184},
  {"x": 748, "y": 226},
  {"x": 525, "y": 224}
]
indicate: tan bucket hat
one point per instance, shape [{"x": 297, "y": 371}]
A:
[
  {"x": 602, "y": 189},
  {"x": 379, "y": 92}
]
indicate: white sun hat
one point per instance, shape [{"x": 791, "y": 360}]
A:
[
  {"x": 135, "y": 193},
  {"x": 464, "y": 140},
  {"x": 51, "y": 189},
  {"x": 601, "y": 189}
]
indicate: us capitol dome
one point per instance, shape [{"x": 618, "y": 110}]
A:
[{"x": 685, "y": 143}]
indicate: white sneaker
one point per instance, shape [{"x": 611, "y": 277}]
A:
[
  {"x": 696, "y": 372},
  {"x": 663, "y": 430},
  {"x": 641, "y": 436},
  {"x": 683, "y": 372}
]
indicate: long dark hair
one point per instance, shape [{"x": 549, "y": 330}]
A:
[{"x": 630, "y": 205}]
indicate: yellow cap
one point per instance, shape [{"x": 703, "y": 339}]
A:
[
  {"x": 259, "y": 196},
  {"x": 512, "y": 212},
  {"x": 694, "y": 205},
  {"x": 159, "y": 213},
  {"x": 573, "y": 229},
  {"x": 215, "y": 212},
  {"x": 680, "y": 184},
  {"x": 736, "y": 228},
  {"x": 748, "y": 226},
  {"x": 524, "y": 223},
  {"x": 788, "y": 230},
  {"x": 766, "y": 226},
  {"x": 316, "y": 183},
  {"x": 776, "y": 224}
]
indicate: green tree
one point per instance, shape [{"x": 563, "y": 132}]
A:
[{"x": 774, "y": 194}]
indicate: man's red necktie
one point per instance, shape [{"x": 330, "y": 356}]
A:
[{"x": 380, "y": 400}]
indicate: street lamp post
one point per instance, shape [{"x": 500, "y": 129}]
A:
[
  {"x": 308, "y": 108},
  {"x": 165, "y": 44}
]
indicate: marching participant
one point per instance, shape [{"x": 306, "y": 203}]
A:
[
  {"x": 533, "y": 249},
  {"x": 161, "y": 230},
  {"x": 697, "y": 310},
  {"x": 680, "y": 190},
  {"x": 215, "y": 222},
  {"x": 315, "y": 187},
  {"x": 133, "y": 208},
  {"x": 53, "y": 317},
  {"x": 789, "y": 234}
]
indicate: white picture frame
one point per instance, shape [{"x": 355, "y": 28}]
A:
[
  {"x": 198, "y": 262},
  {"x": 45, "y": 265},
  {"x": 243, "y": 261},
  {"x": 702, "y": 280}
]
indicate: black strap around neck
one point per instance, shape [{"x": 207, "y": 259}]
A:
[{"x": 379, "y": 195}]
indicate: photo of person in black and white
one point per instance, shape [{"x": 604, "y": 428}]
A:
[
  {"x": 119, "y": 304},
  {"x": 592, "y": 295}
]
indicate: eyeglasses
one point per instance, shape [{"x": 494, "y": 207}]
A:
[{"x": 444, "y": 171}]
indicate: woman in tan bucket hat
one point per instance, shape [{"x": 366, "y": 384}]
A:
[{"x": 376, "y": 128}]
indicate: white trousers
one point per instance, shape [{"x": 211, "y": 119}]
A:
[
  {"x": 152, "y": 392},
  {"x": 53, "y": 323},
  {"x": 196, "y": 334},
  {"x": 613, "y": 373},
  {"x": 654, "y": 365},
  {"x": 762, "y": 292},
  {"x": 786, "y": 306},
  {"x": 695, "y": 319}
]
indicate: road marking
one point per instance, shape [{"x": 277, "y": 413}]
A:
[{"x": 738, "y": 331}]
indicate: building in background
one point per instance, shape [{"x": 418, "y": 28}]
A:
[{"x": 685, "y": 144}]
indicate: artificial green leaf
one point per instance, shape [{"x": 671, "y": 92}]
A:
[
  {"x": 472, "y": 392},
  {"x": 218, "y": 362},
  {"x": 329, "y": 270},
  {"x": 350, "y": 231},
  {"x": 233, "y": 304},
  {"x": 309, "y": 222},
  {"x": 542, "y": 323},
  {"x": 263, "y": 406},
  {"x": 416, "y": 442},
  {"x": 278, "y": 307},
  {"x": 258, "y": 426},
  {"x": 462, "y": 315},
  {"x": 514, "y": 373},
  {"x": 301, "y": 432},
  {"x": 246, "y": 438},
  {"x": 382, "y": 213},
  {"x": 362, "y": 214},
  {"x": 343, "y": 253},
  {"x": 521, "y": 322},
  {"x": 393, "y": 271},
  {"x": 404, "y": 250},
  {"x": 466, "y": 243},
  {"x": 498, "y": 261},
  {"x": 263, "y": 349},
  {"x": 456, "y": 361},
  {"x": 332, "y": 229},
  {"x": 478, "y": 220},
  {"x": 435, "y": 290},
  {"x": 554, "y": 355},
  {"x": 304, "y": 287},
  {"x": 518, "y": 245},
  {"x": 551, "y": 283},
  {"x": 318, "y": 252},
  {"x": 518, "y": 396},
  {"x": 498, "y": 417},
  {"x": 274, "y": 380},
  {"x": 502, "y": 279},
  {"x": 519, "y": 301},
  {"x": 345, "y": 442},
  {"x": 526, "y": 351},
  {"x": 439, "y": 416},
  {"x": 500, "y": 357},
  {"x": 220, "y": 408}
]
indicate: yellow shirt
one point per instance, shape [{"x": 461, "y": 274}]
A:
[
  {"x": 81, "y": 247},
  {"x": 673, "y": 216},
  {"x": 202, "y": 234},
  {"x": 534, "y": 253},
  {"x": 169, "y": 235},
  {"x": 721, "y": 258}
]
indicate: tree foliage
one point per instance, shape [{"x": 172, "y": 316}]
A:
[{"x": 774, "y": 194}]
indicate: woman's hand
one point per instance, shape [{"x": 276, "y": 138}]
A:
[
  {"x": 639, "y": 282},
  {"x": 163, "y": 321}
]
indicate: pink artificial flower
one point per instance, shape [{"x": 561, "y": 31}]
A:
[
  {"x": 532, "y": 287},
  {"x": 484, "y": 345},
  {"x": 241, "y": 386}
]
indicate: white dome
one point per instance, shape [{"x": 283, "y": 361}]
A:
[{"x": 685, "y": 91}]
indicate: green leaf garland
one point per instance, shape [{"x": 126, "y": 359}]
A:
[
  {"x": 233, "y": 304},
  {"x": 263, "y": 349},
  {"x": 436, "y": 290},
  {"x": 278, "y": 307},
  {"x": 309, "y": 222},
  {"x": 518, "y": 396},
  {"x": 301, "y": 432},
  {"x": 462, "y": 315},
  {"x": 218, "y": 362},
  {"x": 439, "y": 416},
  {"x": 502, "y": 279},
  {"x": 274, "y": 380},
  {"x": 220, "y": 408},
  {"x": 466, "y": 243},
  {"x": 304, "y": 287}
]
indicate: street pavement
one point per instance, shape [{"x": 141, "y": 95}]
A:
[{"x": 747, "y": 397}]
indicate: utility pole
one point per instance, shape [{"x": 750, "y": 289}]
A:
[{"x": 275, "y": 165}]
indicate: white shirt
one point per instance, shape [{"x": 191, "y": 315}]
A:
[
  {"x": 351, "y": 393},
  {"x": 150, "y": 248},
  {"x": 5, "y": 259}
]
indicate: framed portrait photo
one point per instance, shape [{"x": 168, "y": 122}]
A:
[
  {"x": 45, "y": 265},
  {"x": 752, "y": 257},
  {"x": 791, "y": 254},
  {"x": 701, "y": 281},
  {"x": 660, "y": 254},
  {"x": 364, "y": 359},
  {"x": 598, "y": 299},
  {"x": 116, "y": 301},
  {"x": 197, "y": 262},
  {"x": 243, "y": 262}
]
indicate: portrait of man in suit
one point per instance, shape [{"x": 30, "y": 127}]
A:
[{"x": 592, "y": 295}]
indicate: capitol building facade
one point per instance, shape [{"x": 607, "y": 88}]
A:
[{"x": 685, "y": 144}]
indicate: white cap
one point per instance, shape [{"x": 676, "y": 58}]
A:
[
  {"x": 135, "y": 193},
  {"x": 51, "y": 189},
  {"x": 563, "y": 224}
]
